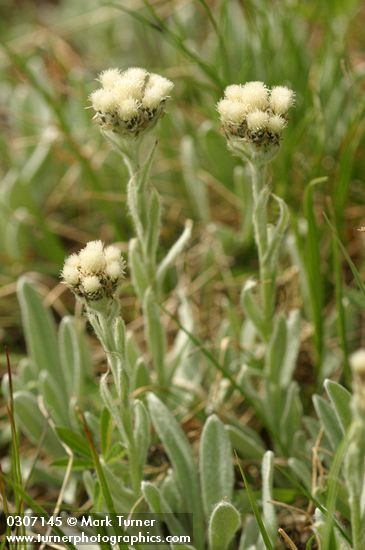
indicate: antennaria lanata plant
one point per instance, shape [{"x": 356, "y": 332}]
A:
[{"x": 214, "y": 375}]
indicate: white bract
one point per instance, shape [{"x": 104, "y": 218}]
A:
[
  {"x": 95, "y": 272},
  {"x": 130, "y": 102}
]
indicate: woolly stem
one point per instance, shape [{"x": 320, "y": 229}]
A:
[
  {"x": 144, "y": 207},
  {"x": 260, "y": 195},
  {"x": 354, "y": 475},
  {"x": 105, "y": 329}
]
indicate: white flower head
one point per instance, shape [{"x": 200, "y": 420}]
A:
[
  {"x": 254, "y": 96},
  {"x": 92, "y": 257},
  {"x": 130, "y": 102},
  {"x": 112, "y": 269},
  {"x": 70, "y": 275},
  {"x": 91, "y": 284},
  {"x": 233, "y": 92},
  {"x": 109, "y": 78},
  {"x": 128, "y": 109},
  {"x": 104, "y": 101},
  {"x": 257, "y": 121},
  {"x": 281, "y": 99},
  {"x": 231, "y": 111},
  {"x": 111, "y": 253},
  {"x": 73, "y": 261},
  {"x": 253, "y": 118},
  {"x": 276, "y": 124},
  {"x": 95, "y": 272}
]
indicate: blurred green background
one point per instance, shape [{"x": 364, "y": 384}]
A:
[{"x": 61, "y": 185}]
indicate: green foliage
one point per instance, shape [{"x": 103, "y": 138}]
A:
[
  {"x": 216, "y": 469},
  {"x": 250, "y": 284},
  {"x": 223, "y": 524}
]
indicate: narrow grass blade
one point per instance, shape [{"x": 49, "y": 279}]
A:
[
  {"x": 225, "y": 373},
  {"x": 351, "y": 264},
  {"x": 255, "y": 508},
  {"x": 100, "y": 473},
  {"x": 38, "y": 509},
  {"x": 313, "y": 266}
]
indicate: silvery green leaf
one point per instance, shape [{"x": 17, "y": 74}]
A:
[
  {"x": 33, "y": 423},
  {"x": 153, "y": 228},
  {"x": 180, "y": 455},
  {"x": 111, "y": 405},
  {"x": 195, "y": 187},
  {"x": 54, "y": 401},
  {"x": 70, "y": 355},
  {"x": 120, "y": 360},
  {"x": 182, "y": 341},
  {"x": 272, "y": 253},
  {"x": 27, "y": 373},
  {"x": 277, "y": 349},
  {"x": 141, "y": 375},
  {"x": 123, "y": 497},
  {"x": 89, "y": 484},
  {"x": 301, "y": 471},
  {"x": 247, "y": 444},
  {"x": 155, "y": 334},
  {"x": 291, "y": 416},
  {"x": 141, "y": 431},
  {"x": 175, "y": 251},
  {"x": 252, "y": 308},
  {"x": 329, "y": 421},
  {"x": 341, "y": 401},
  {"x": 248, "y": 334},
  {"x": 292, "y": 347},
  {"x": 26, "y": 378},
  {"x": 250, "y": 534},
  {"x": 138, "y": 272},
  {"x": 223, "y": 524},
  {"x": 133, "y": 353},
  {"x": 133, "y": 206},
  {"x": 301, "y": 444},
  {"x": 268, "y": 510},
  {"x": 119, "y": 336},
  {"x": 39, "y": 330},
  {"x": 158, "y": 505},
  {"x": 312, "y": 425},
  {"x": 171, "y": 493},
  {"x": 216, "y": 465},
  {"x": 273, "y": 404},
  {"x": 244, "y": 379}
]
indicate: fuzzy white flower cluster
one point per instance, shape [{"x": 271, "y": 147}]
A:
[
  {"x": 130, "y": 102},
  {"x": 95, "y": 272},
  {"x": 254, "y": 114}
]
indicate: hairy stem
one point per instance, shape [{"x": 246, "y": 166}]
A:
[{"x": 259, "y": 218}]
